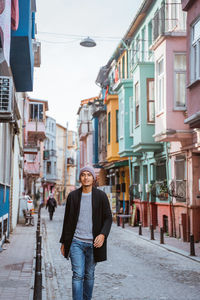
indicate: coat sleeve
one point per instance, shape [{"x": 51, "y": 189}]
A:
[
  {"x": 66, "y": 216},
  {"x": 107, "y": 217}
]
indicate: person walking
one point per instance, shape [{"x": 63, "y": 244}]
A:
[
  {"x": 86, "y": 226},
  {"x": 51, "y": 204}
]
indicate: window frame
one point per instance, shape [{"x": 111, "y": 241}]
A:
[
  {"x": 117, "y": 125},
  {"x": 121, "y": 119},
  {"x": 109, "y": 127},
  {"x": 38, "y": 112},
  {"x": 137, "y": 105},
  {"x": 160, "y": 78},
  {"x": 194, "y": 43},
  {"x": 131, "y": 117},
  {"x": 179, "y": 71},
  {"x": 150, "y": 101}
]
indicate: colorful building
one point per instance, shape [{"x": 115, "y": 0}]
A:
[
  {"x": 16, "y": 73},
  {"x": 191, "y": 146},
  {"x": 71, "y": 161},
  {"x": 61, "y": 150},
  {"x": 34, "y": 136},
  {"x": 50, "y": 159}
]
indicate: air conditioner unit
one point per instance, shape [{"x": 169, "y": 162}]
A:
[{"x": 6, "y": 89}]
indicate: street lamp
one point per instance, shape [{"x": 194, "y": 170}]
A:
[{"x": 88, "y": 42}]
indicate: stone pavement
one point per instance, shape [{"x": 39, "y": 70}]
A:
[
  {"x": 170, "y": 243},
  {"x": 16, "y": 264}
]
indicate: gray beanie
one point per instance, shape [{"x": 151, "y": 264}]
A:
[{"x": 89, "y": 169}]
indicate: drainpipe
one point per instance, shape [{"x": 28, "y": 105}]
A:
[{"x": 187, "y": 199}]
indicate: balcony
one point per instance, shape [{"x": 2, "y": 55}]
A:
[
  {"x": 32, "y": 168},
  {"x": 31, "y": 148},
  {"x": 51, "y": 177},
  {"x": 85, "y": 128},
  {"x": 169, "y": 20},
  {"x": 36, "y": 131}
]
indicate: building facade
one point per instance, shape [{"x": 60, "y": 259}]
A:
[
  {"x": 50, "y": 158},
  {"x": 61, "y": 150},
  {"x": 16, "y": 77}
]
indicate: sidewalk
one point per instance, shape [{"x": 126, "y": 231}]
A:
[
  {"x": 170, "y": 243},
  {"x": 16, "y": 261}
]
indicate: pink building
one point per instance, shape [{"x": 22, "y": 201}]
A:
[
  {"x": 176, "y": 118},
  {"x": 192, "y": 7},
  {"x": 170, "y": 111},
  {"x": 85, "y": 131},
  {"x": 34, "y": 135}
]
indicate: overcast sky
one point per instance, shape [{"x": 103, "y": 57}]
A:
[{"x": 68, "y": 71}]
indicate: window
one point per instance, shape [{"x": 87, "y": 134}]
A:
[
  {"x": 48, "y": 167},
  {"x": 31, "y": 157},
  {"x": 122, "y": 119},
  {"x": 195, "y": 52},
  {"x": 109, "y": 128},
  {"x": 150, "y": 101},
  {"x": 180, "y": 168},
  {"x": 36, "y": 112},
  {"x": 180, "y": 80},
  {"x": 131, "y": 115},
  {"x": 137, "y": 48},
  {"x": 123, "y": 67},
  {"x": 160, "y": 85},
  {"x": 137, "y": 104},
  {"x": 180, "y": 173},
  {"x": 117, "y": 122},
  {"x": 143, "y": 44},
  {"x": 150, "y": 36},
  {"x": 161, "y": 171}
]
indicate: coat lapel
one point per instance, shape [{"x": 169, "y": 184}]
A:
[{"x": 78, "y": 203}]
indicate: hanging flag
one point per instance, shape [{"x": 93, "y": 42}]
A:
[
  {"x": 116, "y": 75},
  {"x": 106, "y": 93},
  {"x": 15, "y": 14}
]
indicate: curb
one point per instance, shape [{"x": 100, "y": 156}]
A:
[{"x": 166, "y": 247}]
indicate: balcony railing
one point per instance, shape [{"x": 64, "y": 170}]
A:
[
  {"x": 169, "y": 18},
  {"x": 85, "y": 128},
  {"x": 49, "y": 153}
]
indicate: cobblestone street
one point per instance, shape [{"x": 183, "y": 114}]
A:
[{"x": 135, "y": 269}]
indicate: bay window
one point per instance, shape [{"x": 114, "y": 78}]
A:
[
  {"x": 150, "y": 101},
  {"x": 195, "y": 52},
  {"x": 137, "y": 104},
  {"x": 160, "y": 85}
]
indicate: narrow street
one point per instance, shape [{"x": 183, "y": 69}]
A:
[{"x": 135, "y": 269}]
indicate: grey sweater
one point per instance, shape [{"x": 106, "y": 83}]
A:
[{"x": 83, "y": 230}]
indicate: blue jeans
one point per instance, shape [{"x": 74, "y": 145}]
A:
[{"x": 83, "y": 266}]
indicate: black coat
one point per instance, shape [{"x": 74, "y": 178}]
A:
[
  {"x": 51, "y": 204},
  {"x": 101, "y": 218}
]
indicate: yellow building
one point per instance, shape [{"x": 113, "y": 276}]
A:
[{"x": 117, "y": 167}]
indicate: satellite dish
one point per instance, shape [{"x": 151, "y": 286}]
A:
[{"x": 88, "y": 42}]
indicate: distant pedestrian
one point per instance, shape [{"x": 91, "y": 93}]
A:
[
  {"x": 86, "y": 226},
  {"x": 51, "y": 204}
]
